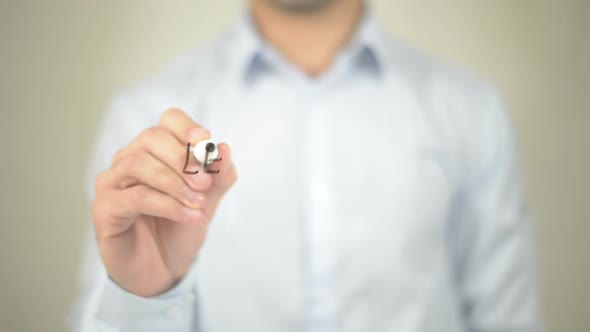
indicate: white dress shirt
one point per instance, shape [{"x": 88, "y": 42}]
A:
[{"x": 383, "y": 195}]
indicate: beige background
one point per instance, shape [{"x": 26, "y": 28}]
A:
[{"x": 62, "y": 59}]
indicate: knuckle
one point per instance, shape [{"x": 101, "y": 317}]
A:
[
  {"x": 166, "y": 177},
  {"x": 118, "y": 155},
  {"x": 132, "y": 160},
  {"x": 170, "y": 113},
  {"x": 150, "y": 135},
  {"x": 99, "y": 211},
  {"x": 99, "y": 182}
]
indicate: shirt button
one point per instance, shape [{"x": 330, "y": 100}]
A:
[{"x": 172, "y": 312}]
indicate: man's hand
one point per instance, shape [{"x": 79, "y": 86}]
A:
[{"x": 150, "y": 218}]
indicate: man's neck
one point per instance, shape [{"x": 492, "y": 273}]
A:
[{"x": 310, "y": 40}]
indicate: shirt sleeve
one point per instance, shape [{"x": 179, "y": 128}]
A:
[
  {"x": 102, "y": 305},
  {"x": 106, "y": 307},
  {"x": 497, "y": 276},
  {"x": 171, "y": 311}
]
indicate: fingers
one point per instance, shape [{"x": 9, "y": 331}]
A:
[
  {"x": 164, "y": 146},
  {"x": 144, "y": 168},
  {"x": 183, "y": 127},
  {"x": 142, "y": 199},
  {"x": 153, "y": 165},
  {"x": 114, "y": 212}
]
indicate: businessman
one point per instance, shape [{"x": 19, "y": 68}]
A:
[{"x": 368, "y": 187}]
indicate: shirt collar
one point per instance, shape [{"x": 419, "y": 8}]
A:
[
  {"x": 253, "y": 55},
  {"x": 366, "y": 46}
]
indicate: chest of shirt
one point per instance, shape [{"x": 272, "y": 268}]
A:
[{"x": 357, "y": 168}]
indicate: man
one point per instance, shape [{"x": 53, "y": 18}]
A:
[{"x": 378, "y": 189}]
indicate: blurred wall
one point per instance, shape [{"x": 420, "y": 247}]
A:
[{"x": 61, "y": 60}]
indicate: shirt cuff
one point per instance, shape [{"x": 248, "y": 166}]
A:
[{"x": 173, "y": 310}]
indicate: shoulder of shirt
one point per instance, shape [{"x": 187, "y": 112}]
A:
[
  {"x": 421, "y": 69},
  {"x": 465, "y": 109},
  {"x": 451, "y": 90}
]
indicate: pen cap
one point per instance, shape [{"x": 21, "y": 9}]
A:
[{"x": 200, "y": 150}]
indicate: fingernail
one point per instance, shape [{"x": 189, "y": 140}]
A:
[
  {"x": 193, "y": 196},
  {"x": 192, "y": 214},
  {"x": 198, "y": 134}
]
